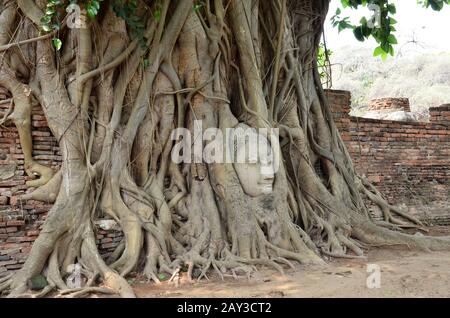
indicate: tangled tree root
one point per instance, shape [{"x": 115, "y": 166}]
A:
[{"x": 112, "y": 103}]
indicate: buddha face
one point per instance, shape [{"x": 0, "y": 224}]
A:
[{"x": 254, "y": 161}]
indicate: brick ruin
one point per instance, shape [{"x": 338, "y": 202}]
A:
[
  {"x": 440, "y": 114},
  {"x": 408, "y": 161},
  {"x": 390, "y": 104},
  {"x": 20, "y": 222},
  {"x": 397, "y": 109}
]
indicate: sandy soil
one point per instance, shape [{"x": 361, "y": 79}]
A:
[{"x": 404, "y": 273}]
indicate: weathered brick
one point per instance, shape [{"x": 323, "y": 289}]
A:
[
  {"x": 15, "y": 223},
  {"x": 33, "y": 233},
  {"x": 11, "y": 229},
  {"x": 10, "y": 251},
  {"x": 9, "y": 262}
]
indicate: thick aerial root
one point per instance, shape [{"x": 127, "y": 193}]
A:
[
  {"x": 131, "y": 226},
  {"x": 342, "y": 255},
  {"x": 349, "y": 243},
  {"x": 311, "y": 259},
  {"x": 5, "y": 278},
  {"x": 5, "y": 285},
  {"x": 368, "y": 232},
  {"x": 67, "y": 293},
  {"x": 111, "y": 278},
  {"x": 116, "y": 253},
  {"x": 270, "y": 256},
  {"x": 80, "y": 292},
  {"x": 229, "y": 266},
  {"x": 17, "y": 287},
  {"x": 21, "y": 116},
  {"x": 44, "y": 292},
  {"x": 46, "y": 192},
  {"x": 226, "y": 263},
  {"x": 376, "y": 197},
  {"x": 44, "y": 174},
  {"x": 262, "y": 262}
]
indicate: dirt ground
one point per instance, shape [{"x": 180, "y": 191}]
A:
[{"x": 404, "y": 273}]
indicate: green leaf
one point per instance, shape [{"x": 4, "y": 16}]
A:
[
  {"x": 53, "y": 3},
  {"x": 49, "y": 11},
  {"x": 96, "y": 5},
  {"x": 92, "y": 8},
  {"x": 392, "y": 20},
  {"x": 46, "y": 19},
  {"x": 343, "y": 24},
  {"x": 385, "y": 46},
  {"x": 197, "y": 7},
  {"x": 378, "y": 51},
  {"x": 358, "y": 32},
  {"x": 91, "y": 12},
  {"x": 366, "y": 31},
  {"x": 57, "y": 44},
  {"x": 436, "y": 5},
  {"x": 391, "y": 8},
  {"x": 157, "y": 15},
  {"x": 46, "y": 27},
  {"x": 391, "y": 50},
  {"x": 392, "y": 39},
  {"x": 145, "y": 63}
]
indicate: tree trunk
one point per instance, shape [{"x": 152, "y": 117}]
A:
[{"x": 113, "y": 104}]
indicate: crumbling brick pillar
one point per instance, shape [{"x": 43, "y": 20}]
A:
[{"x": 390, "y": 104}]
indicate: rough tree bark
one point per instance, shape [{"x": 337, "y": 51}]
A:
[{"x": 227, "y": 62}]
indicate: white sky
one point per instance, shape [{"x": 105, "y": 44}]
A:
[{"x": 430, "y": 28}]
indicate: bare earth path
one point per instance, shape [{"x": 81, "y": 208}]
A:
[{"x": 403, "y": 274}]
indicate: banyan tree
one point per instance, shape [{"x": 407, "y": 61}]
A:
[{"x": 116, "y": 78}]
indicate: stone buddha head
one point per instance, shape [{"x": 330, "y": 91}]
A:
[{"x": 255, "y": 159}]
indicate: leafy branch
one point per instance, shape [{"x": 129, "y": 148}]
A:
[{"x": 381, "y": 25}]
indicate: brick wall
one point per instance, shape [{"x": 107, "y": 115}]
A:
[
  {"x": 408, "y": 161},
  {"x": 20, "y": 222}
]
